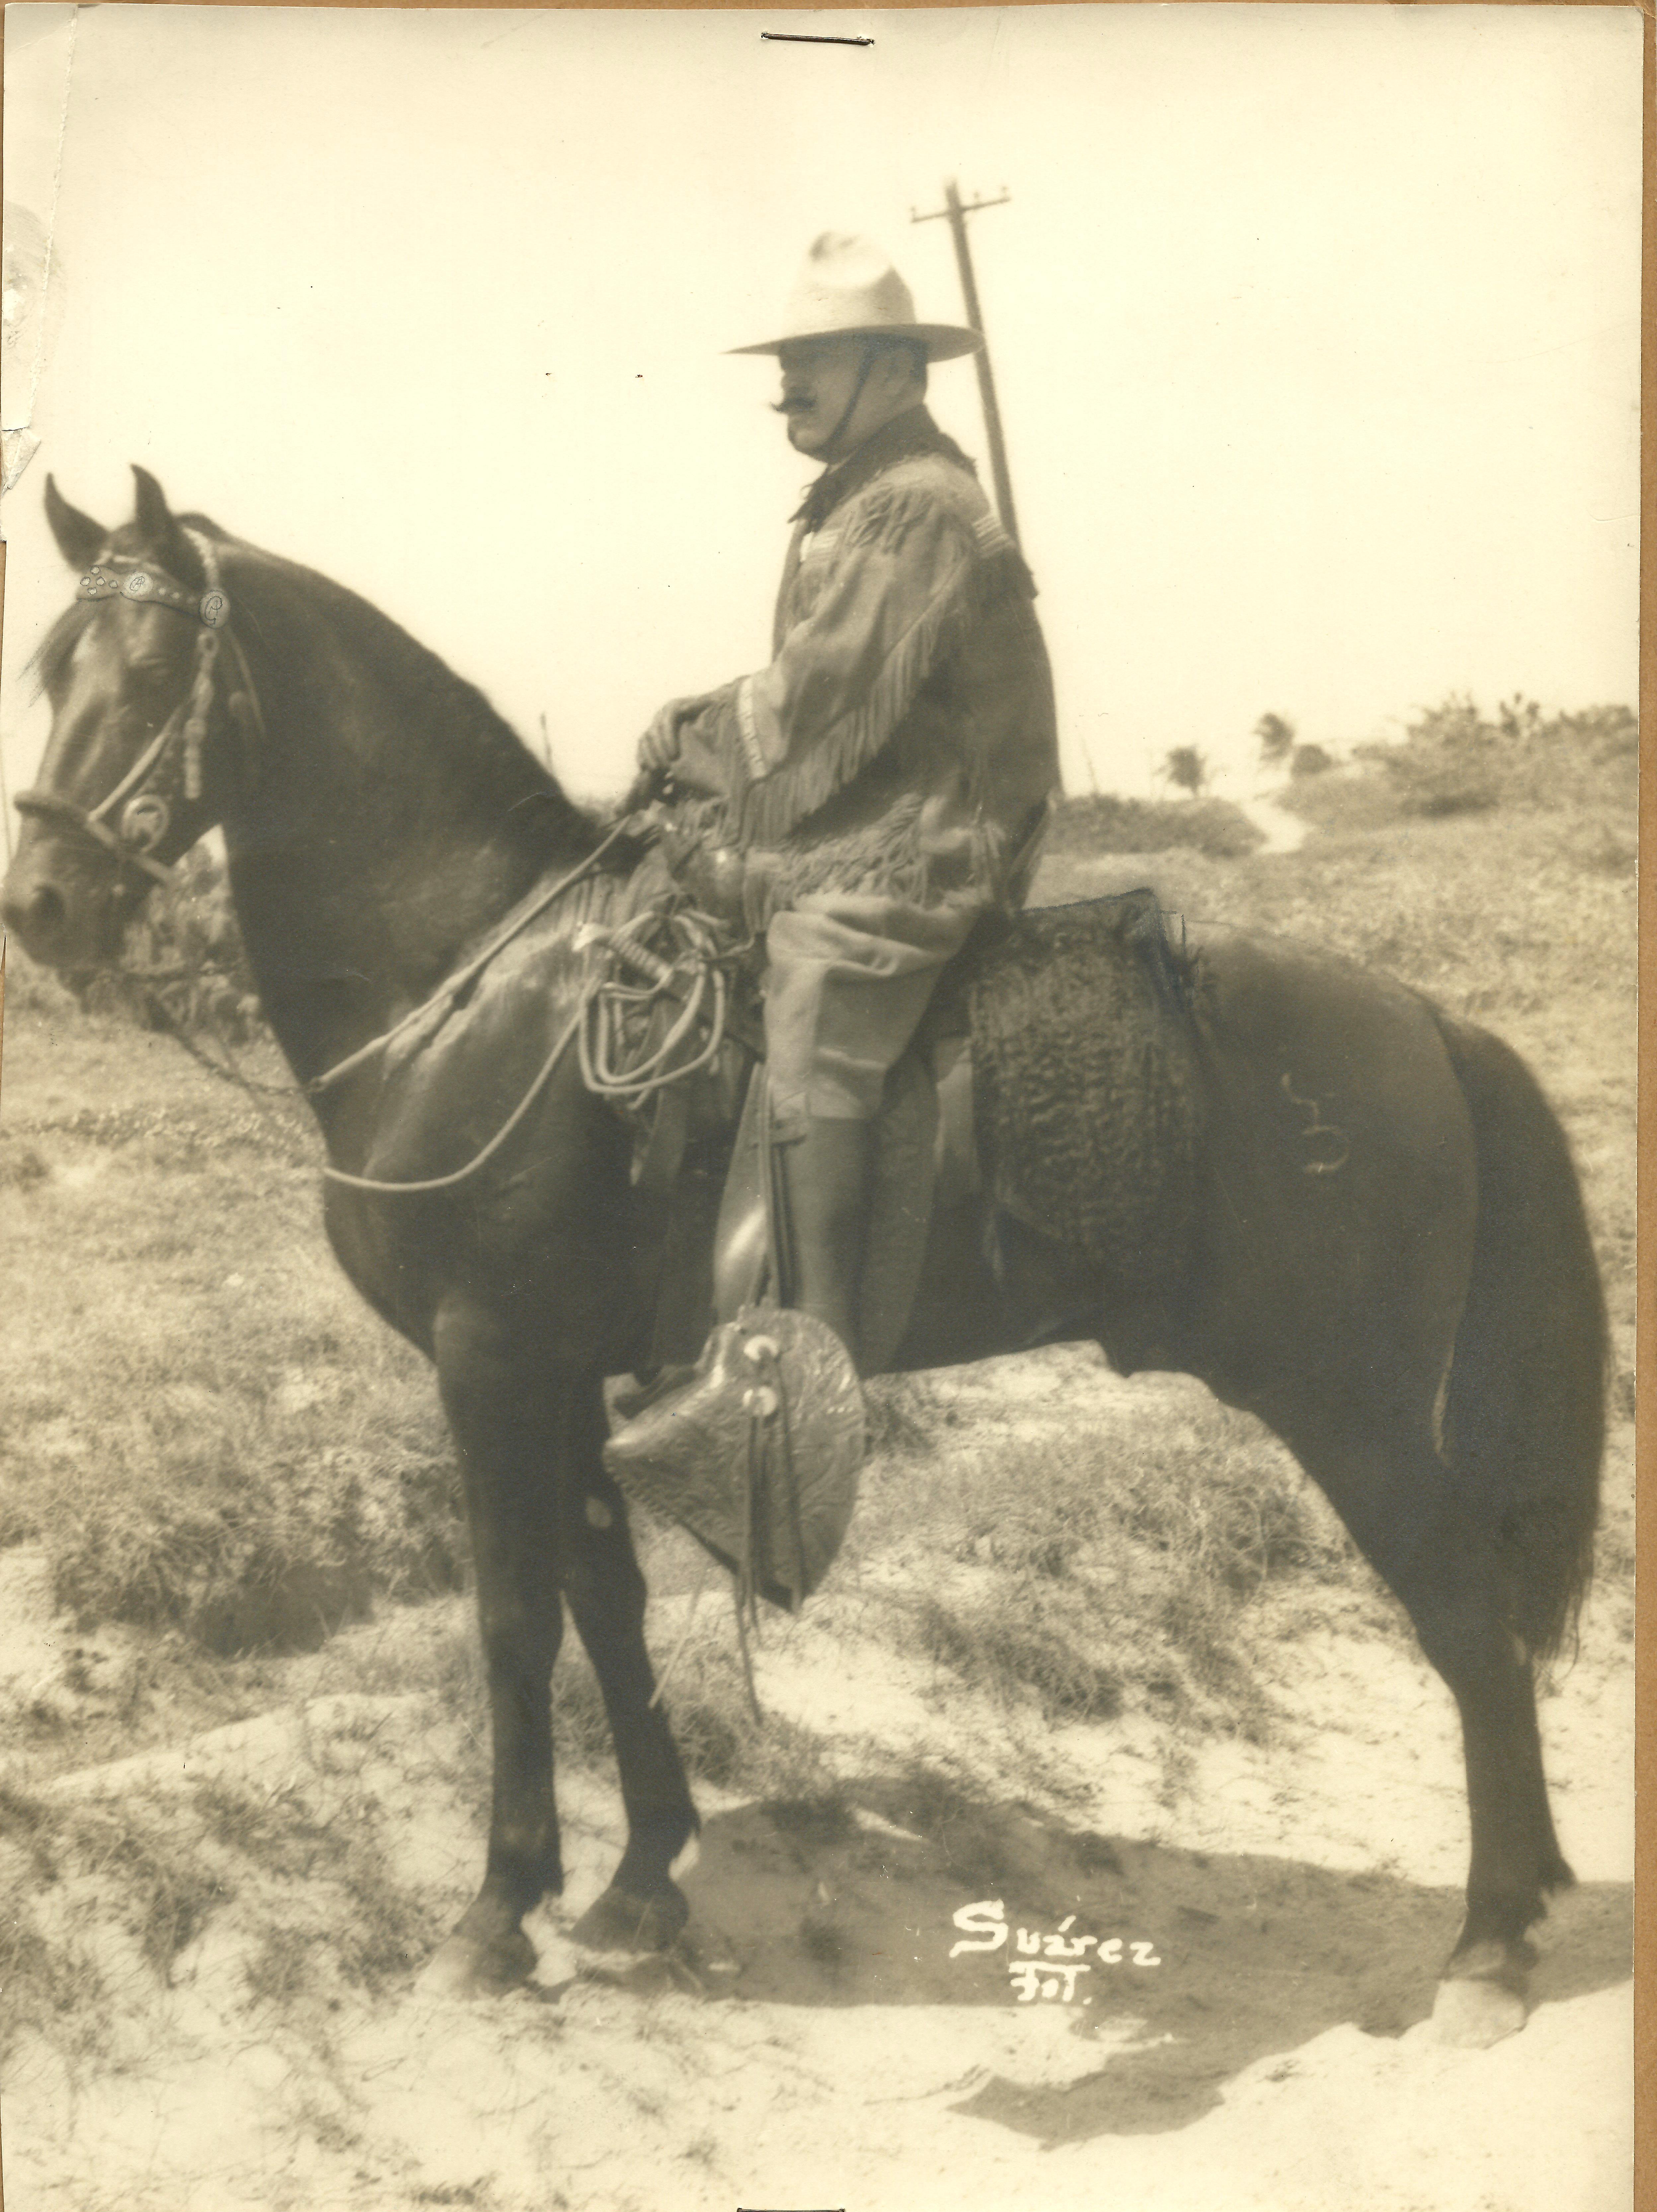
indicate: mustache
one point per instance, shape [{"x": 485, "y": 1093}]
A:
[{"x": 794, "y": 403}]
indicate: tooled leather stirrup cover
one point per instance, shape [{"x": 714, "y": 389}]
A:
[{"x": 688, "y": 1454}]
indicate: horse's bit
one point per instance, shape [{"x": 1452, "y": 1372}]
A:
[{"x": 145, "y": 815}]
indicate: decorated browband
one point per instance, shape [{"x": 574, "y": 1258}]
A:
[{"x": 150, "y": 587}]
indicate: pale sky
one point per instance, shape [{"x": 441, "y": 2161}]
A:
[{"x": 1316, "y": 330}]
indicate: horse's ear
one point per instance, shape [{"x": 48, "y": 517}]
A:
[
  {"x": 159, "y": 534},
  {"x": 80, "y": 539},
  {"x": 153, "y": 515}
]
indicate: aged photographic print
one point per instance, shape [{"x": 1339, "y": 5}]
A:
[{"x": 817, "y": 1159}]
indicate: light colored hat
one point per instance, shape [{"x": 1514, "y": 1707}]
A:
[{"x": 848, "y": 288}]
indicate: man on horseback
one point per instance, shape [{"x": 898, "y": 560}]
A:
[{"x": 886, "y": 781}]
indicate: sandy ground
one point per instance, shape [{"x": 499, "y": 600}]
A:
[{"x": 816, "y": 2044}]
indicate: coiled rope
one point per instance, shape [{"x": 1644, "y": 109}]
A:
[
  {"x": 616, "y": 1010},
  {"x": 617, "y": 1002}
]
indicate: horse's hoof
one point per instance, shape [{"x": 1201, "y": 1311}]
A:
[
  {"x": 1472, "y": 2015},
  {"x": 616, "y": 1921},
  {"x": 462, "y": 1967}
]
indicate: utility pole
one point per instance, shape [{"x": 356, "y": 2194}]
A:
[{"x": 955, "y": 215}]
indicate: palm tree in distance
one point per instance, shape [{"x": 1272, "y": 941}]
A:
[
  {"x": 1276, "y": 738},
  {"x": 1186, "y": 767}
]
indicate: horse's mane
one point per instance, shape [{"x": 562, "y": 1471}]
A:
[
  {"x": 410, "y": 667},
  {"x": 49, "y": 662}
]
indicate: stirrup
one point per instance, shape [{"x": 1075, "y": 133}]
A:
[
  {"x": 634, "y": 1394},
  {"x": 757, "y": 1454}
]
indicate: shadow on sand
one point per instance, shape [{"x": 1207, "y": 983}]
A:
[{"x": 851, "y": 1901}]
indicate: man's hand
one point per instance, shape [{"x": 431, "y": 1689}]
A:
[{"x": 658, "y": 748}]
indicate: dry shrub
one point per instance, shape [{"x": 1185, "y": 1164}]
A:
[
  {"x": 1453, "y": 760},
  {"x": 52, "y": 1988},
  {"x": 1309, "y": 760}
]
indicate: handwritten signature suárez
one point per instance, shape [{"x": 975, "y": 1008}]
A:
[{"x": 1064, "y": 1955}]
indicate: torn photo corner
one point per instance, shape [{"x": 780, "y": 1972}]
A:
[{"x": 409, "y": 419}]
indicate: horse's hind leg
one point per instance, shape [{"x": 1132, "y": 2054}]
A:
[
  {"x": 642, "y": 1909},
  {"x": 1400, "y": 1500}
]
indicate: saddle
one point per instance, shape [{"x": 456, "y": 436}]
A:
[{"x": 1050, "y": 1080}]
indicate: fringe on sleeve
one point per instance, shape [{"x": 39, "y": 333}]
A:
[{"x": 769, "y": 808}]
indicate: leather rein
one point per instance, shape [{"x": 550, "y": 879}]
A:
[{"x": 145, "y": 813}]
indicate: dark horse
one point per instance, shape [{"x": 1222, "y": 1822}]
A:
[{"x": 1422, "y": 1325}]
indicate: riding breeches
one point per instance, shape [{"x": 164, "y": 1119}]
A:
[{"x": 848, "y": 978}]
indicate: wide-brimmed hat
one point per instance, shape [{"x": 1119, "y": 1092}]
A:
[{"x": 847, "y": 289}]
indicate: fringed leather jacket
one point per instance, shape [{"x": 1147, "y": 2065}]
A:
[{"x": 902, "y": 738}]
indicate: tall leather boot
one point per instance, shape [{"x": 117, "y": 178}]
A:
[{"x": 826, "y": 1176}]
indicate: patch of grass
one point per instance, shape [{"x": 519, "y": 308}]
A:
[
  {"x": 100, "y": 1898},
  {"x": 580, "y": 1728},
  {"x": 386, "y": 1932},
  {"x": 165, "y": 1891},
  {"x": 1090, "y": 1571},
  {"x": 992, "y": 1642},
  {"x": 707, "y": 1702},
  {"x": 278, "y": 1971},
  {"x": 200, "y": 1422},
  {"x": 905, "y": 1414},
  {"x": 775, "y": 1760},
  {"x": 51, "y": 1988},
  {"x": 168, "y": 1893},
  {"x": 1103, "y": 822},
  {"x": 147, "y": 1879},
  {"x": 822, "y": 1939},
  {"x": 235, "y": 1534},
  {"x": 823, "y": 1817},
  {"x": 252, "y": 1481}
]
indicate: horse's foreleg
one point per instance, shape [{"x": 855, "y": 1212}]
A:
[
  {"x": 1401, "y": 1505},
  {"x": 642, "y": 1909},
  {"x": 511, "y": 1431}
]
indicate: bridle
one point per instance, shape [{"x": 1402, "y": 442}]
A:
[{"x": 145, "y": 814}]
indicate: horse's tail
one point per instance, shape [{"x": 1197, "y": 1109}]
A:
[{"x": 1525, "y": 1414}]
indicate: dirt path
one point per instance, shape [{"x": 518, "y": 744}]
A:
[{"x": 1283, "y": 832}]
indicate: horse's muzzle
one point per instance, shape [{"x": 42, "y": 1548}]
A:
[{"x": 59, "y": 916}]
